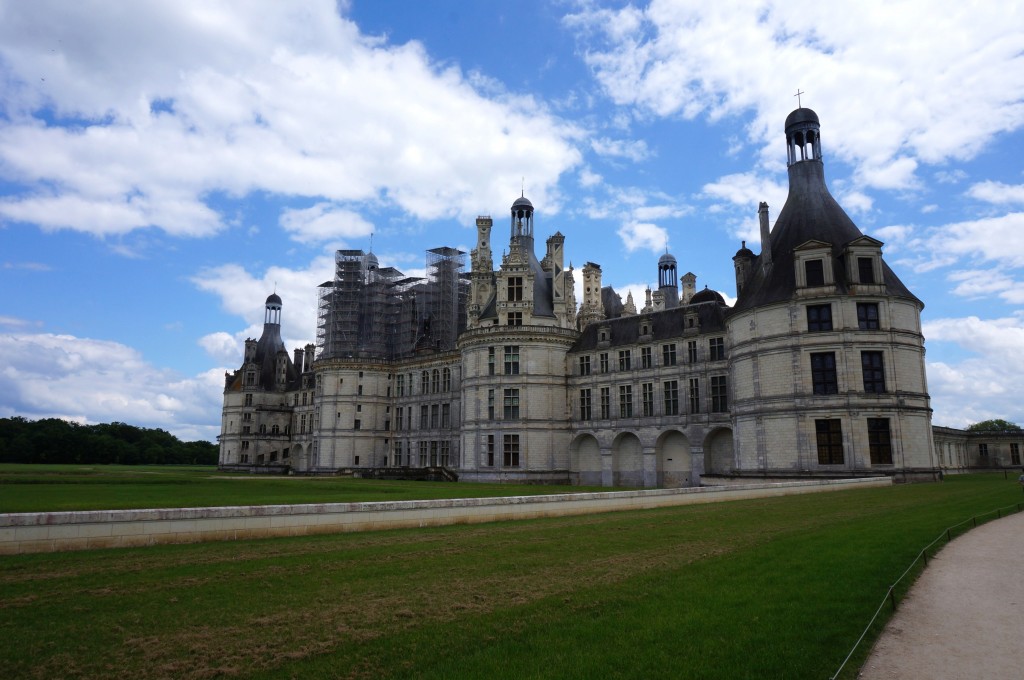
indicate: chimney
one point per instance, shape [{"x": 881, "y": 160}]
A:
[{"x": 766, "y": 239}]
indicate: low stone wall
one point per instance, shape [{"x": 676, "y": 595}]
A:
[{"x": 55, "y": 531}]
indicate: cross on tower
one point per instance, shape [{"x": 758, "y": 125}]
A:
[{"x": 797, "y": 95}]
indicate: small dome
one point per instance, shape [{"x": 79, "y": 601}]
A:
[
  {"x": 802, "y": 116},
  {"x": 666, "y": 259},
  {"x": 274, "y": 299},
  {"x": 370, "y": 260},
  {"x": 744, "y": 251},
  {"x": 522, "y": 202},
  {"x": 707, "y": 295}
]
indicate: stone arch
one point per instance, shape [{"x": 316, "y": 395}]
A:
[
  {"x": 719, "y": 458},
  {"x": 585, "y": 460},
  {"x": 674, "y": 463},
  {"x": 627, "y": 461}
]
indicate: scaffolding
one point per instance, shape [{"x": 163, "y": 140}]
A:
[{"x": 367, "y": 312}]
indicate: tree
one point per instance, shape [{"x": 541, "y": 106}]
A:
[{"x": 997, "y": 425}]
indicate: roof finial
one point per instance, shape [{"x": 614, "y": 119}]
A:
[
  {"x": 371, "y": 241},
  {"x": 522, "y": 191},
  {"x": 797, "y": 95}
]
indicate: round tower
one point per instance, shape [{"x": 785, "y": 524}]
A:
[{"x": 668, "y": 283}]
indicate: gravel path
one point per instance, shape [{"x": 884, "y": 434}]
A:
[{"x": 964, "y": 618}]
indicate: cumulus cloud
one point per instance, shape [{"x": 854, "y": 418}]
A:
[
  {"x": 324, "y": 222},
  {"x": 87, "y": 380},
  {"x": 634, "y": 150},
  {"x": 126, "y": 117},
  {"x": 637, "y": 235},
  {"x": 675, "y": 59},
  {"x": 997, "y": 192}
]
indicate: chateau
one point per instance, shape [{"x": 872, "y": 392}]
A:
[{"x": 510, "y": 373}]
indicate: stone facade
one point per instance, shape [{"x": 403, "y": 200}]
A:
[{"x": 497, "y": 374}]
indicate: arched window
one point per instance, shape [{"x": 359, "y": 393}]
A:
[
  {"x": 435, "y": 381},
  {"x": 275, "y": 430}
]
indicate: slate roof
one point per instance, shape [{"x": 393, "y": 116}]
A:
[{"x": 669, "y": 324}]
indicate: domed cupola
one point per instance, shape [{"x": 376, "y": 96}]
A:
[
  {"x": 707, "y": 295},
  {"x": 522, "y": 218},
  {"x": 803, "y": 137},
  {"x": 273, "y": 309},
  {"x": 668, "y": 283}
]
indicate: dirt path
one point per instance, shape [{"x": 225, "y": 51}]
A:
[{"x": 964, "y": 618}]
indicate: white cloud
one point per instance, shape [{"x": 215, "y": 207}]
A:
[
  {"x": 589, "y": 178},
  {"x": 169, "y": 104},
  {"x": 223, "y": 348},
  {"x": 87, "y": 380},
  {"x": 635, "y": 150},
  {"x": 725, "y": 58},
  {"x": 637, "y": 235},
  {"x": 997, "y": 192},
  {"x": 324, "y": 222},
  {"x": 747, "y": 189}
]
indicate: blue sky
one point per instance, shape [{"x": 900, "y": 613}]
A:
[{"x": 164, "y": 166}]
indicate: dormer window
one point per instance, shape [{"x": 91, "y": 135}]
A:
[
  {"x": 813, "y": 263},
  {"x": 814, "y": 271},
  {"x": 863, "y": 257},
  {"x": 865, "y": 270},
  {"x": 515, "y": 289}
]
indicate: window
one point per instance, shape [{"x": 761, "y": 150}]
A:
[
  {"x": 515, "y": 289},
  {"x": 867, "y": 315},
  {"x": 585, "y": 365},
  {"x": 446, "y": 380},
  {"x": 830, "y": 441},
  {"x": 815, "y": 272},
  {"x": 647, "y": 399},
  {"x": 490, "y": 404},
  {"x": 716, "y": 346},
  {"x": 1014, "y": 454},
  {"x": 874, "y": 372},
  {"x": 625, "y": 401},
  {"x": 603, "y": 359},
  {"x": 446, "y": 452},
  {"x": 490, "y": 450},
  {"x": 691, "y": 351},
  {"x": 879, "y": 442},
  {"x": 823, "y": 373},
  {"x": 275, "y": 430},
  {"x": 606, "y": 406},
  {"x": 983, "y": 450},
  {"x": 585, "y": 405},
  {"x": 672, "y": 398},
  {"x": 246, "y": 429},
  {"x": 668, "y": 355},
  {"x": 435, "y": 415},
  {"x": 425, "y": 382},
  {"x": 515, "y": 318},
  {"x": 435, "y": 381},
  {"x": 433, "y": 452},
  {"x": 625, "y": 359},
  {"x": 490, "y": 361},
  {"x": 245, "y": 446},
  {"x": 248, "y": 399},
  {"x": 694, "y": 395},
  {"x": 400, "y": 385},
  {"x": 303, "y": 426},
  {"x": 250, "y": 378},
  {"x": 511, "y": 359},
  {"x": 423, "y": 454},
  {"x": 303, "y": 398},
  {"x": 819, "y": 318},
  {"x": 645, "y": 357},
  {"x": 512, "y": 404},
  {"x": 719, "y": 394},
  {"x": 357, "y": 424},
  {"x": 246, "y": 417},
  {"x": 510, "y": 450},
  {"x": 446, "y": 415},
  {"x": 295, "y": 399},
  {"x": 865, "y": 270},
  {"x": 424, "y": 414},
  {"x": 398, "y": 454},
  {"x": 399, "y": 424}
]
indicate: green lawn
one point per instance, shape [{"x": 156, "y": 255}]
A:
[
  {"x": 772, "y": 588},
  {"x": 38, "y": 488}
]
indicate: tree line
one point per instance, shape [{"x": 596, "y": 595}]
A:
[{"x": 52, "y": 440}]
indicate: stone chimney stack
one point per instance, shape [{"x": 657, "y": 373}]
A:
[{"x": 766, "y": 238}]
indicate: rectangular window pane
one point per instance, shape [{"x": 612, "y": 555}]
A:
[
  {"x": 815, "y": 271},
  {"x": 606, "y": 406},
  {"x": 879, "y": 441},
  {"x": 716, "y": 346},
  {"x": 604, "y": 361},
  {"x": 510, "y": 450},
  {"x": 671, "y": 397},
  {"x": 647, "y": 391},
  {"x": 830, "y": 441},
  {"x": 668, "y": 355},
  {"x": 865, "y": 270},
  {"x": 585, "y": 365},
  {"x": 719, "y": 394},
  {"x": 625, "y": 360},
  {"x": 819, "y": 318},
  {"x": 585, "y": 405},
  {"x": 694, "y": 395},
  {"x": 645, "y": 357},
  {"x": 625, "y": 401},
  {"x": 691, "y": 351},
  {"x": 511, "y": 404},
  {"x": 867, "y": 315},
  {"x": 511, "y": 359},
  {"x": 823, "y": 373},
  {"x": 874, "y": 372}
]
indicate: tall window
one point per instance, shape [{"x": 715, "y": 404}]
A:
[
  {"x": 399, "y": 420},
  {"x": 425, "y": 382},
  {"x": 585, "y": 405},
  {"x": 490, "y": 361},
  {"x": 512, "y": 404},
  {"x": 515, "y": 318},
  {"x": 435, "y": 413},
  {"x": 511, "y": 359},
  {"x": 647, "y": 399},
  {"x": 879, "y": 441},
  {"x": 668, "y": 355},
  {"x": 606, "y": 403},
  {"x": 830, "y": 441},
  {"x": 1014, "y": 453},
  {"x": 874, "y": 372},
  {"x": 694, "y": 395},
  {"x": 867, "y": 315},
  {"x": 248, "y": 399},
  {"x": 446, "y": 380},
  {"x": 625, "y": 359},
  {"x": 515, "y": 289},
  {"x": 490, "y": 404},
  {"x": 645, "y": 357},
  {"x": 603, "y": 361},
  {"x": 424, "y": 415},
  {"x": 400, "y": 385},
  {"x": 510, "y": 450},
  {"x": 719, "y": 394},
  {"x": 585, "y": 365},
  {"x": 446, "y": 452},
  {"x": 671, "y": 397},
  {"x": 716, "y": 346},
  {"x": 815, "y": 271},
  {"x": 691, "y": 351},
  {"x": 446, "y": 415},
  {"x": 625, "y": 401},
  {"x": 490, "y": 450},
  {"x": 423, "y": 454},
  {"x": 819, "y": 318},
  {"x": 983, "y": 450},
  {"x": 865, "y": 270},
  {"x": 823, "y": 373},
  {"x": 435, "y": 381}
]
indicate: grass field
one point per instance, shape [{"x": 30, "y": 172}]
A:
[
  {"x": 38, "y": 488},
  {"x": 773, "y": 588}
]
